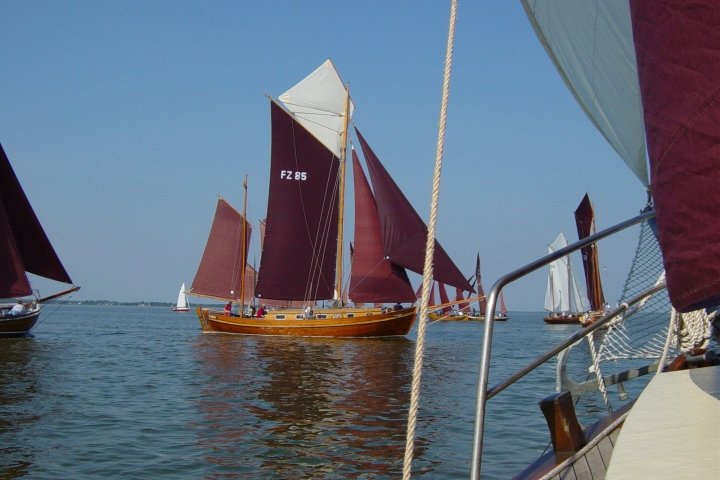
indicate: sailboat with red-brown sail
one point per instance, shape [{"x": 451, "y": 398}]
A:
[
  {"x": 585, "y": 222},
  {"x": 24, "y": 248},
  {"x": 302, "y": 249}
]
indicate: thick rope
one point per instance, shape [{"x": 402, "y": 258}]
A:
[
  {"x": 429, "y": 253},
  {"x": 685, "y": 332},
  {"x": 595, "y": 368}
]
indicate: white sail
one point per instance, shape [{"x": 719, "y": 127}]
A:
[
  {"x": 591, "y": 45},
  {"x": 182, "y": 298},
  {"x": 318, "y": 103},
  {"x": 563, "y": 293}
]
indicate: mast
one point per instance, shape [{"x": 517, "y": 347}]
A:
[
  {"x": 341, "y": 206},
  {"x": 244, "y": 248}
]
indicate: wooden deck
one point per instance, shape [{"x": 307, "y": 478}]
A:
[{"x": 593, "y": 464}]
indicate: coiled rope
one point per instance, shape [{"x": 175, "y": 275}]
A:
[{"x": 429, "y": 253}]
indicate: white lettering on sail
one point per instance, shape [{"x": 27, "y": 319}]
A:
[{"x": 290, "y": 175}]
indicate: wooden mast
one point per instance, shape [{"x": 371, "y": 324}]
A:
[
  {"x": 341, "y": 207},
  {"x": 244, "y": 248}
]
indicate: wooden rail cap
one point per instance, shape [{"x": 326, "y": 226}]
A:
[{"x": 565, "y": 430}]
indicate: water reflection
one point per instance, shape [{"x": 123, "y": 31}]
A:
[
  {"x": 285, "y": 407},
  {"x": 20, "y": 366}
]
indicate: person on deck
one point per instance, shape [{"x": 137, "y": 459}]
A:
[
  {"x": 397, "y": 306},
  {"x": 261, "y": 311},
  {"x": 228, "y": 309},
  {"x": 17, "y": 310}
]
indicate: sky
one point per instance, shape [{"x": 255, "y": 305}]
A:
[{"x": 124, "y": 120}]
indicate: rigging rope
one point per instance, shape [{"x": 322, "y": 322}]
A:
[{"x": 429, "y": 252}]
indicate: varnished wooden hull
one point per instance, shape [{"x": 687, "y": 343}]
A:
[
  {"x": 375, "y": 324},
  {"x": 572, "y": 320},
  {"x": 15, "y": 326},
  {"x": 441, "y": 316}
]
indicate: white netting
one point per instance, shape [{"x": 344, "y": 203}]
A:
[{"x": 652, "y": 329}]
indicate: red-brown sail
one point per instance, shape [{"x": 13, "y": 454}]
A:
[
  {"x": 444, "y": 297},
  {"x": 404, "y": 232},
  {"x": 585, "y": 223},
  {"x": 373, "y": 278},
  {"x": 300, "y": 247},
  {"x": 13, "y": 282},
  {"x": 220, "y": 269},
  {"x": 24, "y": 246},
  {"x": 676, "y": 45},
  {"x": 464, "y": 306},
  {"x": 482, "y": 303}
]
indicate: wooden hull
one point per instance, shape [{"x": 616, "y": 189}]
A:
[
  {"x": 16, "y": 326},
  {"x": 370, "y": 324},
  {"x": 441, "y": 316},
  {"x": 589, "y": 318},
  {"x": 481, "y": 318},
  {"x": 571, "y": 320}
]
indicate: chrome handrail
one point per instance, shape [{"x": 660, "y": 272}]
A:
[{"x": 483, "y": 394}]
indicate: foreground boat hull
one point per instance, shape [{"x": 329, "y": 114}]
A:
[
  {"x": 391, "y": 324},
  {"x": 21, "y": 325}
]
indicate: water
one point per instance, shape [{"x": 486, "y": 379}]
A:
[{"x": 132, "y": 392}]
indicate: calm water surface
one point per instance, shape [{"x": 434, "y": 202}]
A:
[{"x": 131, "y": 392}]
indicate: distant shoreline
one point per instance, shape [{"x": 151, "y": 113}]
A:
[{"x": 109, "y": 303}]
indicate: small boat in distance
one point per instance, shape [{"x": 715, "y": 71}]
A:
[
  {"x": 26, "y": 248},
  {"x": 564, "y": 300},
  {"x": 182, "y": 302},
  {"x": 446, "y": 312}
]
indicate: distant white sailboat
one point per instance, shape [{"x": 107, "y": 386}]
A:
[
  {"x": 182, "y": 303},
  {"x": 564, "y": 299}
]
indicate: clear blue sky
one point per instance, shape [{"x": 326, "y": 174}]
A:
[{"x": 125, "y": 119}]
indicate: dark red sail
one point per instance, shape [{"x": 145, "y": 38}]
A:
[
  {"x": 503, "y": 308},
  {"x": 373, "y": 278},
  {"x": 444, "y": 297},
  {"x": 483, "y": 301},
  {"x": 404, "y": 232},
  {"x": 300, "y": 247},
  {"x": 220, "y": 269},
  {"x": 676, "y": 45},
  {"x": 13, "y": 282},
  {"x": 464, "y": 306},
  {"x": 585, "y": 223},
  {"x": 24, "y": 239}
]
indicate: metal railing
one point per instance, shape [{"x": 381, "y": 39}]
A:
[{"x": 483, "y": 394}]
